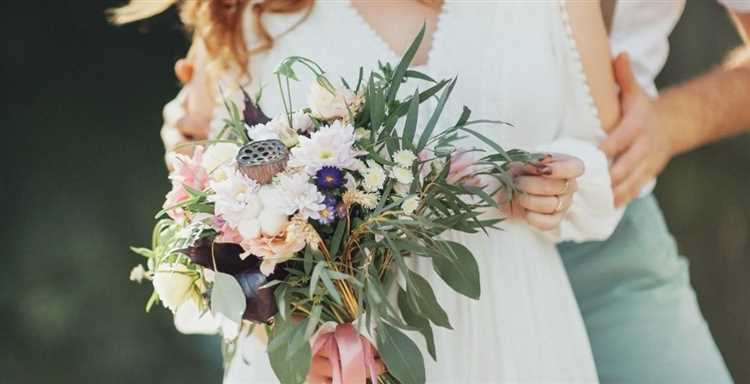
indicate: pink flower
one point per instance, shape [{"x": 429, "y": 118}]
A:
[
  {"x": 273, "y": 249},
  {"x": 187, "y": 171},
  {"x": 462, "y": 169}
]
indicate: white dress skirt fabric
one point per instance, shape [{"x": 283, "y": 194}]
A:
[{"x": 516, "y": 61}]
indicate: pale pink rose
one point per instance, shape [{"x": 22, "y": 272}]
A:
[
  {"x": 462, "y": 169},
  {"x": 187, "y": 171},
  {"x": 273, "y": 250},
  {"x": 227, "y": 234}
]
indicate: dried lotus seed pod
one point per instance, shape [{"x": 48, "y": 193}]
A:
[{"x": 261, "y": 160}]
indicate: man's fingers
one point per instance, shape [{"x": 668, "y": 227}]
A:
[
  {"x": 626, "y": 163},
  {"x": 624, "y": 73},
  {"x": 631, "y": 186},
  {"x": 620, "y": 138}
]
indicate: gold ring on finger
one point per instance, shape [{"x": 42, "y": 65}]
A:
[
  {"x": 559, "y": 204},
  {"x": 567, "y": 186}
]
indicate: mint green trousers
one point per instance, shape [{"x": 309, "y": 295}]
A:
[{"x": 640, "y": 310}]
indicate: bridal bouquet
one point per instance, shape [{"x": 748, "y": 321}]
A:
[{"x": 303, "y": 224}]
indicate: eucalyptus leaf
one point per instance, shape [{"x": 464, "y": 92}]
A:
[
  {"x": 289, "y": 368},
  {"x": 227, "y": 297},
  {"x": 455, "y": 264},
  {"x": 423, "y": 297},
  {"x": 400, "y": 355},
  {"x": 414, "y": 319}
]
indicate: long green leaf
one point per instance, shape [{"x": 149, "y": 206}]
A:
[
  {"x": 403, "y": 65},
  {"x": 413, "y": 318},
  {"x": 424, "y": 298},
  {"x": 432, "y": 123},
  {"x": 410, "y": 127}
]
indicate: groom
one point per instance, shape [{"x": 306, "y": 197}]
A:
[{"x": 640, "y": 310}]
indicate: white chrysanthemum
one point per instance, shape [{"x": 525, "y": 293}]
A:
[
  {"x": 173, "y": 284},
  {"x": 373, "y": 177},
  {"x": 410, "y": 204},
  {"x": 327, "y": 105},
  {"x": 402, "y": 175},
  {"x": 361, "y": 133},
  {"x": 235, "y": 197},
  {"x": 218, "y": 155},
  {"x": 404, "y": 158},
  {"x": 138, "y": 273},
  {"x": 329, "y": 146},
  {"x": 297, "y": 194}
]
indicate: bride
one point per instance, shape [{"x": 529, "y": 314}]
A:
[{"x": 543, "y": 66}]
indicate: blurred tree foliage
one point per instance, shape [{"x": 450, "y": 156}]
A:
[{"x": 82, "y": 177}]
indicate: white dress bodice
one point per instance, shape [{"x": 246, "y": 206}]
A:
[{"x": 516, "y": 61}]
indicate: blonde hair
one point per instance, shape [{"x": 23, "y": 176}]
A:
[{"x": 218, "y": 23}]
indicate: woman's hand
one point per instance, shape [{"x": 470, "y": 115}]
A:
[
  {"x": 322, "y": 373},
  {"x": 546, "y": 190}
]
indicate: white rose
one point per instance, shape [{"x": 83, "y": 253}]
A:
[
  {"x": 301, "y": 122},
  {"x": 261, "y": 132},
  {"x": 404, "y": 158},
  {"x": 326, "y": 105},
  {"x": 410, "y": 204},
  {"x": 280, "y": 125},
  {"x": 272, "y": 222},
  {"x": 173, "y": 284},
  {"x": 218, "y": 155},
  {"x": 402, "y": 175}
]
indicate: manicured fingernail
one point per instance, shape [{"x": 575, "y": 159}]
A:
[{"x": 545, "y": 170}]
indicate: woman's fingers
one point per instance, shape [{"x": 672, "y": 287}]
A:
[
  {"x": 562, "y": 167},
  {"x": 544, "y": 186},
  {"x": 543, "y": 221},
  {"x": 183, "y": 69},
  {"x": 316, "y": 379},
  {"x": 545, "y": 204},
  {"x": 320, "y": 366}
]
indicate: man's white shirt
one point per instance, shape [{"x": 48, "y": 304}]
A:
[{"x": 642, "y": 28}]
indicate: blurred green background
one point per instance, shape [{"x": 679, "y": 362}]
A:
[{"x": 83, "y": 175}]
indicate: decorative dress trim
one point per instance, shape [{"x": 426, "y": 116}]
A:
[{"x": 578, "y": 64}]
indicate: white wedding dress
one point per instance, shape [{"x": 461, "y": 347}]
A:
[{"x": 516, "y": 61}]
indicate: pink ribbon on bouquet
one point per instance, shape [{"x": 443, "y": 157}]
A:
[{"x": 351, "y": 355}]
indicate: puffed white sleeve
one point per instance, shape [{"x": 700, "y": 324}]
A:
[
  {"x": 173, "y": 111},
  {"x": 592, "y": 214}
]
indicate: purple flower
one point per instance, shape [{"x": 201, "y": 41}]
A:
[
  {"x": 329, "y": 178},
  {"x": 328, "y": 214}
]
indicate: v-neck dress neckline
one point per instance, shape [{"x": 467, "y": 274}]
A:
[{"x": 378, "y": 39}]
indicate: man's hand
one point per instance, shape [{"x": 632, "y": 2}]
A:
[{"x": 639, "y": 144}]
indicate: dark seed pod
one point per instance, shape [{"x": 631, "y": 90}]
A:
[
  {"x": 260, "y": 302},
  {"x": 261, "y": 160},
  {"x": 227, "y": 256}
]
